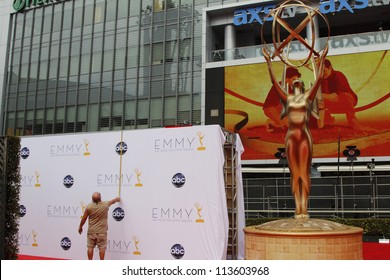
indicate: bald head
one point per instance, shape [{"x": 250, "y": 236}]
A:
[{"x": 96, "y": 197}]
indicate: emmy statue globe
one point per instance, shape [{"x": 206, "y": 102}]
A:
[{"x": 295, "y": 44}]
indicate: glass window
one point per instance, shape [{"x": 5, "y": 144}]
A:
[
  {"x": 120, "y": 40},
  {"x": 170, "y": 86},
  {"x": 75, "y": 48},
  {"x": 171, "y": 51},
  {"x": 111, "y": 10},
  {"x": 123, "y": 7},
  {"x": 118, "y": 90},
  {"x": 156, "y": 112},
  {"x": 130, "y": 109},
  {"x": 143, "y": 88},
  {"x": 108, "y": 61},
  {"x": 131, "y": 88},
  {"x": 171, "y": 32},
  {"x": 99, "y": 13},
  {"x": 67, "y": 21},
  {"x": 86, "y": 46},
  {"x": 43, "y": 70},
  {"x": 34, "y": 70},
  {"x": 158, "y": 33},
  {"x": 71, "y": 97},
  {"x": 156, "y": 89},
  {"x": 74, "y": 66},
  {"x": 120, "y": 60},
  {"x": 53, "y": 68},
  {"x": 54, "y": 51},
  {"x": 57, "y": 22},
  {"x": 157, "y": 53},
  {"x": 135, "y": 7},
  {"x": 23, "y": 71},
  {"x": 170, "y": 69},
  {"x": 144, "y": 56},
  {"x": 96, "y": 62},
  {"x": 170, "y": 108},
  {"x": 78, "y": 17},
  {"x": 109, "y": 42},
  {"x": 97, "y": 43},
  {"x": 65, "y": 50},
  {"x": 37, "y": 22},
  {"x": 185, "y": 83},
  {"x": 85, "y": 62},
  {"x": 197, "y": 82},
  {"x": 185, "y": 50},
  {"x": 145, "y": 36},
  {"x": 64, "y": 66},
  {"x": 88, "y": 14}
]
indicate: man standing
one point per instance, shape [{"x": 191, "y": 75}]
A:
[
  {"x": 338, "y": 96},
  {"x": 97, "y": 214}
]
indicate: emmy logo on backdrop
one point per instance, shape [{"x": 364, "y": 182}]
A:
[
  {"x": 37, "y": 184},
  {"x": 136, "y": 242},
  {"x": 201, "y": 136},
  {"x": 83, "y": 206},
  {"x": 35, "y": 243},
  {"x": 86, "y": 144},
  {"x": 138, "y": 174},
  {"x": 199, "y": 210}
]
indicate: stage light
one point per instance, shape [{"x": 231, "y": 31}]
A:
[
  {"x": 281, "y": 155},
  {"x": 351, "y": 153}
]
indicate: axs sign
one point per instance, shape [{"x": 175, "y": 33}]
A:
[{"x": 250, "y": 15}]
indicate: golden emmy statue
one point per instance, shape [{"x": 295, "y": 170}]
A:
[
  {"x": 199, "y": 210},
  {"x": 86, "y": 144},
  {"x": 138, "y": 174},
  {"x": 136, "y": 242},
  {"x": 37, "y": 175},
  {"x": 35, "y": 243},
  {"x": 201, "y": 136},
  {"x": 299, "y": 103}
]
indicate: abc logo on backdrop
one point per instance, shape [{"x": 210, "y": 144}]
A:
[
  {"x": 66, "y": 243},
  {"x": 118, "y": 214},
  {"x": 68, "y": 181},
  {"x": 24, "y": 153},
  {"x": 177, "y": 251},
  {"x": 118, "y": 147},
  {"x": 178, "y": 180},
  {"x": 22, "y": 210}
]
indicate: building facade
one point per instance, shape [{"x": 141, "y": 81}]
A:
[
  {"x": 69, "y": 66},
  {"x": 92, "y": 65}
]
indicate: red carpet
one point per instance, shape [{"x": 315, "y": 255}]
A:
[
  {"x": 371, "y": 251},
  {"x": 27, "y": 257},
  {"x": 376, "y": 251}
]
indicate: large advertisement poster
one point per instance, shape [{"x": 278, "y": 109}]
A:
[{"x": 360, "y": 81}]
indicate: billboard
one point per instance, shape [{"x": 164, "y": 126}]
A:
[{"x": 366, "y": 74}]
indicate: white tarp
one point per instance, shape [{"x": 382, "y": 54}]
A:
[{"x": 173, "y": 202}]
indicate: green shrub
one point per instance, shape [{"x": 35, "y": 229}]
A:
[
  {"x": 12, "y": 213},
  {"x": 370, "y": 226}
]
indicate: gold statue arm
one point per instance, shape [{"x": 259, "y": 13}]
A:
[
  {"x": 318, "y": 75},
  {"x": 282, "y": 93}
]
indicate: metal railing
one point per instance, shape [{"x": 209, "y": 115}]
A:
[
  {"x": 354, "y": 41},
  {"x": 343, "y": 197}
]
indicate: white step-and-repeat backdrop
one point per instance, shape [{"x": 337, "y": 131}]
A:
[{"x": 170, "y": 181}]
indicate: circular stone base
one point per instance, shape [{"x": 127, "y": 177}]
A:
[{"x": 303, "y": 239}]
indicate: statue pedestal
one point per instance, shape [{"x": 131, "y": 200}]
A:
[{"x": 303, "y": 239}]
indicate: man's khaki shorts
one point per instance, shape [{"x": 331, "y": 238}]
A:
[{"x": 99, "y": 239}]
